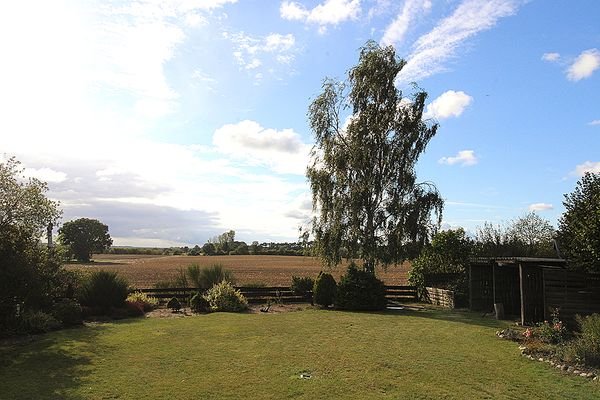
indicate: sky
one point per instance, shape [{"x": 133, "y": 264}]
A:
[{"x": 175, "y": 121}]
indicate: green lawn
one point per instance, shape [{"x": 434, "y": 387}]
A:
[{"x": 407, "y": 354}]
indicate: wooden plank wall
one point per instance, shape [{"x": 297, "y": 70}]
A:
[
  {"x": 440, "y": 297},
  {"x": 480, "y": 290},
  {"x": 572, "y": 292}
]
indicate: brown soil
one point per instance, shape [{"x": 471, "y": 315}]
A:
[{"x": 145, "y": 271}]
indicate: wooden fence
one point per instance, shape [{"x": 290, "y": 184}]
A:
[
  {"x": 440, "y": 297},
  {"x": 259, "y": 295},
  {"x": 572, "y": 292}
]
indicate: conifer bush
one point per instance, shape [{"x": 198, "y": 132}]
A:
[{"x": 324, "y": 289}]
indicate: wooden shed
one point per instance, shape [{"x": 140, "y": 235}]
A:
[{"x": 532, "y": 287}]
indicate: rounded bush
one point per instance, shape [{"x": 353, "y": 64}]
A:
[
  {"x": 38, "y": 322},
  {"x": 148, "y": 303},
  {"x": 324, "y": 289},
  {"x": 199, "y": 304},
  {"x": 134, "y": 308},
  {"x": 224, "y": 297},
  {"x": 302, "y": 286},
  {"x": 103, "y": 290},
  {"x": 174, "y": 304},
  {"x": 360, "y": 290},
  {"x": 67, "y": 311}
]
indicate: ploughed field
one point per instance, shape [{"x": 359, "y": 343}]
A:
[{"x": 143, "y": 271}]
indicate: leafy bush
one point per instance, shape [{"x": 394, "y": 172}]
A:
[
  {"x": 174, "y": 304},
  {"x": 586, "y": 348},
  {"x": 67, "y": 311},
  {"x": 302, "y": 285},
  {"x": 224, "y": 297},
  {"x": 199, "y": 304},
  {"x": 324, "y": 289},
  {"x": 149, "y": 303},
  {"x": 360, "y": 290},
  {"x": 553, "y": 332},
  {"x": 103, "y": 290},
  {"x": 38, "y": 322}
]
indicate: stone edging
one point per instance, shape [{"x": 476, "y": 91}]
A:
[{"x": 562, "y": 367}]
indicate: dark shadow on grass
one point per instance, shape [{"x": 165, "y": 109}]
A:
[{"x": 47, "y": 366}]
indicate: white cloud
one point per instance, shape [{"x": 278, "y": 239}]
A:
[
  {"x": 394, "y": 32},
  {"x": 540, "y": 207},
  {"x": 330, "y": 12},
  {"x": 293, "y": 11},
  {"x": 282, "y": 151},
  {"x": 448, "y": 104},
  {"x": 551, "y": 57},
  {"x": 584, "y": 65},
  {"x": 251, "y": 51},
  {"x": 432, "y": 50},
  {"x": 45, "y": 174},
  {"x": 594, "y": 122},
  {"x": 463, "y": 157},
  {"x": 588, "y": 166}
]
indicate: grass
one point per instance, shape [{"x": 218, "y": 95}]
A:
[
  {"x": 144, "y": 271},
  {"x": 406, "y": 354}
]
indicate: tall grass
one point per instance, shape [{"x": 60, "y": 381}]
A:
[{"x": 207, "y": 277}]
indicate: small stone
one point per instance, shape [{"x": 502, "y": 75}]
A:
[
  {"x": 558, "y": 366},
  {"x": 595, "y": 378},
  {"x": 591, "y": 375},
  {"x": 552, "y": 363},
  {"x": 576, "y": 371},
  {"x": 522, "y": 348},
  {"x": 540, "y": 359},
  {"x": 564, "y": 368},
  {"x": 570, "y": 369},
  {"x": 583, "y": 375}
]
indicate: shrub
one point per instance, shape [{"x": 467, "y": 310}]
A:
[
  {"x": 360, "y": 290},
  {"x": 174, "y": 304},
  {"x": 134, "y": 308},
  {"x": 324, "y": 289},
  {"x": 204, "y": 278},
  {"x": 103, "y": 290},
  {"x": 551, "y": 332},
  {"x": 67, "y": 311},
  {"x": 302, "y": 286},
  {"x": 586, "y": 348},
  {"x": 149, "y": 303},
  {"x": 38, "y": 322},
  {"x": 224, "y": 297},
  {"x": 199, "y": 304}
]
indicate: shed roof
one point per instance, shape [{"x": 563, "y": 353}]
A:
[{"x": 506, "y": 261}]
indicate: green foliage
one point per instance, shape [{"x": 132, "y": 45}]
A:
[
  {"x": 448, "y": 252},
  {"x": 362, "y": 174},
  {"x": 84, "y": 237},
  {"x": 199, "y": 304},
  {"x": 30, "y": 274},
  {"x": 148, "y": 303},
  {"x": 585, "y": 349},
  {"x": 526, "y": 236},
  {"x": 360, "y": 290},
  {"x": 579, "y": 226},
  {"x": 553, "y": 332},
  {"x": 208, "y": 249},
  {"x": 174, "y": 304},
  {"x": 240, "y": 250},
  {"x": 302, "y": 286},
  {"x": 224, "y": 297},
  {"x": 103, "y": 290},
  {"x": 38, "y": 322},
  {"x": 68, "y": 312},
  {"x": 324, "y": 289}
]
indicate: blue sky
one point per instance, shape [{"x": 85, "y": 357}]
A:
[{"x": 175, "y": 121}]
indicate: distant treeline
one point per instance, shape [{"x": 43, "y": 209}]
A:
[{"x": 210, "y": 249}]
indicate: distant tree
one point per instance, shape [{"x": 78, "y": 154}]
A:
[
  {"x": 254, "y": 248},
  {"x": 362, "y": 175},
  {"x": 208, "y": 249},
  {"x": 241, "y": 249},
  {"x": 579, "y": 226},
  {"x": 526, "y": 236},
  {"x": 534, "y": 235},
  {"x": 84, "y": 237}
]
